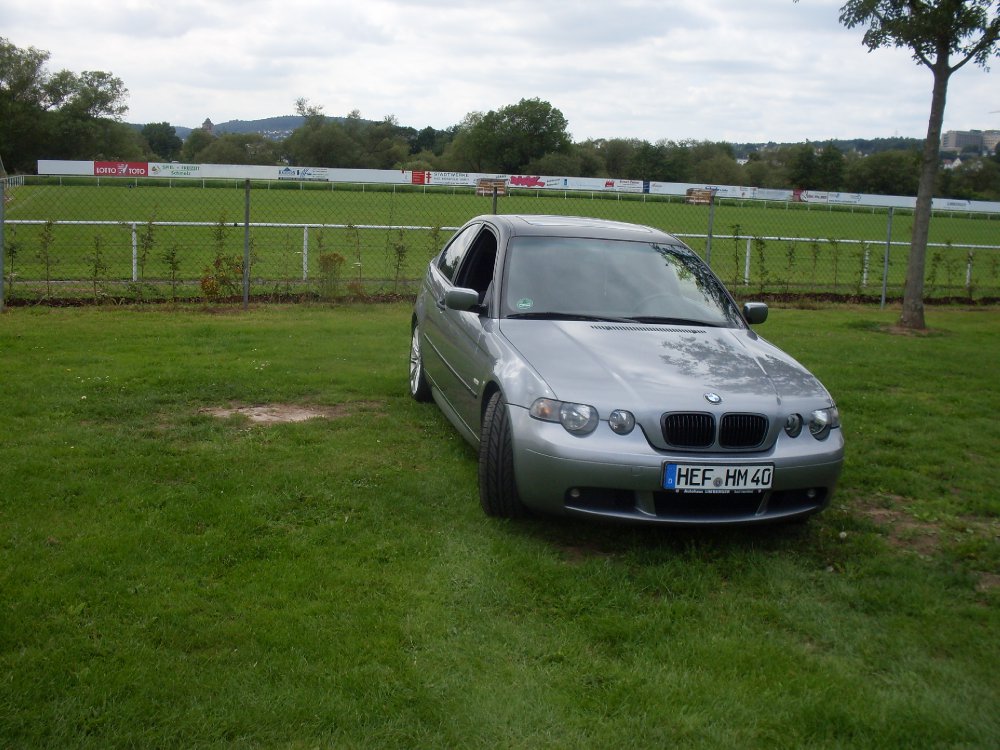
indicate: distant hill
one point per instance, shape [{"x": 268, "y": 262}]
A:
[
  {"x": 272, "y": 127},
  {"x": 866, "y": 146},
  {"x": 279, "y": 128}
]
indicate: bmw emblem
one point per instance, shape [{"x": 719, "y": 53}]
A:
[{"x": 713, "y": 398}]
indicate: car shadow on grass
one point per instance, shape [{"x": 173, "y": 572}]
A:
[{"x": 581, "y": 540}]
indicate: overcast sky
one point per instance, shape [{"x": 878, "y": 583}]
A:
[{"x": 733, "y": 70}]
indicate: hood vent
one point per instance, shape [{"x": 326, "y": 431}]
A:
[{"x": 650, "y": 329}]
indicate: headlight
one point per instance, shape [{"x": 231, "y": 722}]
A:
[
  {"x": 822, "y": 421},
  {"x": 579, "y": 419}
]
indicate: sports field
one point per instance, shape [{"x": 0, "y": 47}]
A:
[{"x": 151, "y": 240}]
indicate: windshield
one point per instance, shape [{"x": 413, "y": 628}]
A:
[{"x": 586, "y": 279}]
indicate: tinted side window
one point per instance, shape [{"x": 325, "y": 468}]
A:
[
  {"x": 476, "y": 272},
  {"x": 452, "y": 256}
]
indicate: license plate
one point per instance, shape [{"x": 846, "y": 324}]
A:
[{"x": 716, "y": 478}]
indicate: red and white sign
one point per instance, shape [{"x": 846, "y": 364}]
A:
[
  {"x": 526, "y": 181},
  {"x": 121, "y": 169}
]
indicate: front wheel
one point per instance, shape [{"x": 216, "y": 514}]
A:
[
  {"x": 420, "y": 390},
  {"x": 497, "y": 488}
]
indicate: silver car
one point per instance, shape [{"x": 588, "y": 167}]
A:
[{"x": 601, "y": 369}]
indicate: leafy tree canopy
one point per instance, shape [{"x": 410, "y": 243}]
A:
[
  {"x": 162, "y": 139},
  {"x": 60, "y": 115}
]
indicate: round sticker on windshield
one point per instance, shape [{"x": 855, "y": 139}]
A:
[{"x": 525, "y": 304}]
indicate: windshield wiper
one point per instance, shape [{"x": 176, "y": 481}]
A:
[{"x": 568, "y": 316}]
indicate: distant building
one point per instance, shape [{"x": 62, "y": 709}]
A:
[
  {"x": 982, "y": 140},
  {"x": 207, "y": 126},
  {"x": 991, "y": 139}
]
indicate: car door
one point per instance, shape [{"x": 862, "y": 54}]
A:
[
  {"x": 458, "y": 360},
  {"x": 469, "y": 356},
  {"x": 438, "y": 327}
]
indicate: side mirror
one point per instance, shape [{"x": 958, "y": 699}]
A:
[
  {"x": 755, "y": 312},
  {"x": 462, "y": 300}
]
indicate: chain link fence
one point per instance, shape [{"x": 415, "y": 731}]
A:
[{"x": 70, "y": 240}]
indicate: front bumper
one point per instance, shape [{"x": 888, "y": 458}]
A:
[{"x": 619, "y": 476}]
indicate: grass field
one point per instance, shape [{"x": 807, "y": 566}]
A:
[
  {"x": 173, "y": 578},
  {"x": 169, "y": 237}
]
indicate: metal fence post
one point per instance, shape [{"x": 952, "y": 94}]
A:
[
  {"x": 885, "y": 263},
  {"x": 305, "y": 253},
  {"x": 135, "y": 254},
  {"x": 746, "y": 264},
  {"x": 246, "y": 246},
  {"x": 711, "y": 223},
  {"x": 3, "y": 242}
]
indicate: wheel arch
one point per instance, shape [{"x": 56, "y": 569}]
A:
[{"x": 484, "y": 400}]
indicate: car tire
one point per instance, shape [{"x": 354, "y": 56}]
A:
[
  {"x": 420, "y": 390},
  {"x": 497, "y": 487}
]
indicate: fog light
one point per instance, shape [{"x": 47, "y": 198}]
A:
[
  {"x": 621, "y": 421},
  {"x": 574, "y": 493}
]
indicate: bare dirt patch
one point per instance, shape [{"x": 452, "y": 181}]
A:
[
  {"x": 904, "y": 532},
  {"x": 898, "y": 330},
  {"x": 285, "y": 413}
]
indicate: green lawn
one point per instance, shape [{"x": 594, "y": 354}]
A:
[{"x": 169, "y": 578}]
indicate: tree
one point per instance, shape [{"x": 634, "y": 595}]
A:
[
  {"x": 197, "y": 141},
  {"x": 240, "y": 148},
  {"x": 506, "y": 140},
  {"x": 761, "y": 170},
  {"x": 322, "y": 142},
  {"x": 975, "y": 179},
  {"x": 162, "y": 139},
  {"x": 935, "y": 31},
  {"x": 802, "y": 166},
  {"x": 830, "y": 168},
  {"x": 61, "y": 115},
  {"x": 884, "y": 173},
  {"x": 720, "y": 169},
  {"x": 617, "y": 153}
]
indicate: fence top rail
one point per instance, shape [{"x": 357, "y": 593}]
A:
[
  {"x": 279, "y": 225},
  {"x": 132, "y": 224}
]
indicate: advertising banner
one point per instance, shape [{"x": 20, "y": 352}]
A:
[
  {"x": 121, "y": 169},
  {"x": 310, "y": 174},
  {"x": 444, "y": 178},
  {"x": 174, "y": 170},
  {"x": 133, "y": 170}
]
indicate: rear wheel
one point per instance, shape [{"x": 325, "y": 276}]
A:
[
  {"x": 497, "y": 488},
  {"x": 419, "y": 388}
]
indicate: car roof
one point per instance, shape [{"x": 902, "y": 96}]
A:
[{"x": 575, "y": 226}]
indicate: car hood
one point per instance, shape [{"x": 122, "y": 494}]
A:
[{"x": 628, "y": 365}]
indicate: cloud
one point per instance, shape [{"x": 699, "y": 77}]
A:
[{"x": 651, "y": 69}]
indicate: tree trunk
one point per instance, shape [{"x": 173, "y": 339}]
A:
[{"x": 913, "y": 292}]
